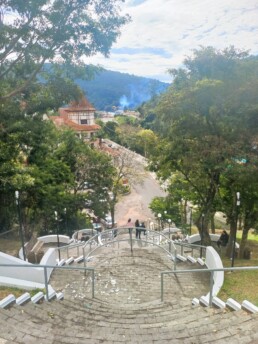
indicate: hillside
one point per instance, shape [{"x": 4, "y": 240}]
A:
[{"x": 113, "y": 90}]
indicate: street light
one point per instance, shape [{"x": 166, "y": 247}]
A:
[
  {"x": 234, "y": 239},
  {"x": 65, "y": 213},
  {"x": 159, "y": 216},
  {"x": 17, "y": 201},
  {"x": 169, "y": 222},
  {"x": 202, "y": 223},
  {"x": 190, "y": 229},
  {"x": 57, "y": 231}
]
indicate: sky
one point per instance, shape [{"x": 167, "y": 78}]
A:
[{"x": 163, "y": 32}]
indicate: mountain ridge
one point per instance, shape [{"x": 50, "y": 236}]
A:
[{"x": 110, "y": 90}]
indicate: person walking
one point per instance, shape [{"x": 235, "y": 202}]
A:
[
  {"x": 129, "y": 225},
  {"x": 137, "y": 228}
]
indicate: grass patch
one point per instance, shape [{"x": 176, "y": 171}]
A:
[
  {"x": 5, "y": 291},
  {"x": 241, "y": 285}
]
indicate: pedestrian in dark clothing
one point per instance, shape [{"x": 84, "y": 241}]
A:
[
  {"x": 137, "y": 228},
  {"x": 223, "y": 240},
  {"x": 143, "y": 228}
]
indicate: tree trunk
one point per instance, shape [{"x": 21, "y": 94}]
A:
[
  {"x": 231, "y": 238},
  {"x": 202, "y": 225},
  {"x": 212, "y": 223},
  {"x": 243, "y": 242}
]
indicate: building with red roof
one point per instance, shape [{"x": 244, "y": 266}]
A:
[{"x": 78, "y": 116}]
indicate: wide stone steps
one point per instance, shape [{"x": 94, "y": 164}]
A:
[
  {"x": 61, "y": 324},
  {"x": 126, "y": 278},
  {"x": 129, "y": 310}
]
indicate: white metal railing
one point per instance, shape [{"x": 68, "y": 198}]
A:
[
  {"x": 211, "y": 271},
  {"x": 46, "y": 267}
]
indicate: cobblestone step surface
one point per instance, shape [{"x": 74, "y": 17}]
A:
[{"x": 129, "y": 311}]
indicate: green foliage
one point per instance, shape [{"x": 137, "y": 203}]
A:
[
  {"x": 168, "y": 208},
  {"x": 35, "y": 32},
  {"x": 204, "y": 124},
  {"x": 45, "y": 166}
]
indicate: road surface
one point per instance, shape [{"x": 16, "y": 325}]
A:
[{"x": 136, "y": 204}]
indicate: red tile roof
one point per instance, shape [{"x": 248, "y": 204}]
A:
[
  {"x": 83, "y": 105},
  {"x": 63, "y": 121}
]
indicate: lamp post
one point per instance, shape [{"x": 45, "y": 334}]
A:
[
  {"x": 190, "y": 229},
  {"x": 17, "y": 201},
  {"x": 169, "y": 222},
  {"x": 65, "y": 213},
  {"x": 202, "y": 223},
  {"x": 165, "y": 218},
  {"x": 57, "y": 233},
  {"x": 234, "y": 239},
  {"x": 159, "y": 216}
]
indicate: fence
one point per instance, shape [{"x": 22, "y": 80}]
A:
[
  {"x": 44, "y": 269},
  {"x": 211, "y": 271}
]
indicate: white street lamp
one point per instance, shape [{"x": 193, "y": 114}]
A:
[
  {"x": 159, "y": 216},
  {"x": 17, "y": 201},
  {"x": 234, "y": 239},
  {"x": 169, "y": 222},
  {"x": 57, "y": 233}
]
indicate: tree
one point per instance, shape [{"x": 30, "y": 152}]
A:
[
  {"x": 203, "y": 121},
  {"x": 125, "y": 174},
  {"x": 147, "y": 140},
  {"x": 62, "y": 33},
  {"x": 35, "y": 32}
]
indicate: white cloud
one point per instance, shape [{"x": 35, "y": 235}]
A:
[{"x": 163, "y": 32}]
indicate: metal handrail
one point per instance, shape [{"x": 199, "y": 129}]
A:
[
  {"x": 45, "y": 267},
  {"x": 70, "y": 247},
  {"x": 193, "y": 247},
  {"x": 248, "y": 268},
  {"x": 130, "y": 230}
]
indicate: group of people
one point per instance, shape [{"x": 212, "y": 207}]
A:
[{"x": 139, "y": 227}]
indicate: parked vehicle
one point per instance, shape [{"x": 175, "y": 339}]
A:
[
  {"x": 107, "y": 222},
  {"x": 97, "y": 226}
]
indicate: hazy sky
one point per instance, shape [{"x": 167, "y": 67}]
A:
[{"x": 163, "y": 32}]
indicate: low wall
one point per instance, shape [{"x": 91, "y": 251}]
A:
[
  {"x": 213, "y": 261},
  {"x": 214, "y": 237},
  {"x": 196, "y": 237},
  {"x": 64, "y": 239},
  {"x": 30, "y": 273}
]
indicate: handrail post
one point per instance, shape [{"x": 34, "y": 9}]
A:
[
  {"x": 175, "y": 259},
  {"x": 67, "y": 252},
  {"x": 131, "y": 239},
  {"x": 182, "y": 253},
  {"x": 162, "y": 286},
  {"x": 211, "y": 287},
  {"x": 84, "y": 260},
  {"x": 46, "y": 283},
  {"x": 169, "y": 246},
  {"x": 93, "y": 283}
]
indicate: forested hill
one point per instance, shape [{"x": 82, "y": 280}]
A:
[{"x": 112, "y": 90}]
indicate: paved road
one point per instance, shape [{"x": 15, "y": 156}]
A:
[{"x": 136, "y": 204}]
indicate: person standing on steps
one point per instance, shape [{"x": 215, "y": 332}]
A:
[
  {"x": 142, "y": 225},
  {"x": 129, "y": 225},
  {"x": 137, "y": 228}
]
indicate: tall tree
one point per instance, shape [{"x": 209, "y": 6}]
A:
[
  {"x": 35, "y": 32},
  {"x": 203, "y": 120}
]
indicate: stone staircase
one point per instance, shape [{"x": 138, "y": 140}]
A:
[{"x": 127, "y": 307}]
